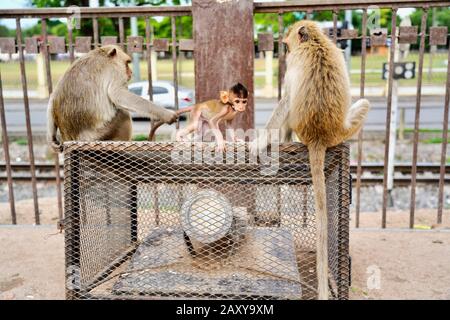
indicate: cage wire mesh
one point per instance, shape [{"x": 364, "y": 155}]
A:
[{"x": 140, "y": 223}]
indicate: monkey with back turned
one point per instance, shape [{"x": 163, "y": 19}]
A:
[
  {"x": 316, "y": 107},
  {"x": 92, "y": 101}
]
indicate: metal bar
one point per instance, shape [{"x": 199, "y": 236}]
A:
[
  {"x": 175, "y": 70},
  {"x": 5, "y": 139},
  {"x": 281, "y": 58},
  {"x": 148, "y": 32},
  {"x": 259, "y": 7},
  {"x": 423, "y": 31},
  {"x": 121, "y": 33},
  {"x": 444, "y": 145},
  {"x": 72, "y": 228},
  {"x": 148, "y": 40},
  {"x": 361, "y": 132},
  {"x": 50, "y": 90},
  {"x": 95, "y": 30},
  {"x": 372, "y": 167},
  {"x": 26, "y": 103},
  {"x": 388, "y": 116},
  {"x": 398, "y": 181},
  {"x": 44, "y": 49},
  {"x": 291, "y": 6},
  {"x": 133, "y": 199},
  {"x": 335, "y": 16},
  {"x": 70, "y": 36}
]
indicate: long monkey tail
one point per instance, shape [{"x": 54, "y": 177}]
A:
[
  {"x": 317, "y": 163},
  {"x": 155, "y": 126}
]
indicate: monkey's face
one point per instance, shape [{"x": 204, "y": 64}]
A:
[
  {"x": 120, "y": 59},
  {"x": 239, "y": 103}
]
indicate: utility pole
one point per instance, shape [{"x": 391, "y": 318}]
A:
[
  {"x": 348, "y": 49},
  {"x": 433, "y": 49},
  {"x": 136, "y": 56}
]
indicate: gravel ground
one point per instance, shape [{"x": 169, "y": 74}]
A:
[
  {"x": 371, "y": 201},
  {"x": 386, "y": 264}
]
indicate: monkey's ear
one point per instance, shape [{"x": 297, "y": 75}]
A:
[
  {"x": 303, "y": 34},
  {"x": 224, "y": 96},
  {"x": 112, "y": 52}
]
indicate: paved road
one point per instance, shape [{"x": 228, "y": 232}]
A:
[{"x": 431, "y": 114}]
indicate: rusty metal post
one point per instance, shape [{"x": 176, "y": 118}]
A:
[
  {"x": 5, "y": 139},
  {"x": 361, "y": 133},
  {"x": 423, "y": 30},
  {"x": 95, "y": 31},
  {"x": 50, "y": 90},
  {"x": 388, "y": 117},
  {"x": 281, "y": 56},
  {"x": 70, "y": 45},
  {"x": 335, "y": 17},
  {"x": 121, "y": 33},
  {"x": 148, "y": 43},
  {"x": 175, "y": 64},
  {"x": 224, "y": 50},
  {"x": 26, "y": 104}
]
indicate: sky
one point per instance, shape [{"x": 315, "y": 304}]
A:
[{"x": 15, "y": 4}]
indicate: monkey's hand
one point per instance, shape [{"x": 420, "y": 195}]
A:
[
  {"x": 220, "y": 146},
  {"x": 169, "y": 117}
]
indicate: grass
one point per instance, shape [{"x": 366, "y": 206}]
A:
[
  {"x": 21, "y": 141},
  {"x": 140, "y": 137},
  {"x": 424, "y": 130},
  {"x": 433, "y": 141},
  {"x": 11, "y": 71}
]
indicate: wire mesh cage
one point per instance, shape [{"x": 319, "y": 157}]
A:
[{"x": 168, "y": 220}]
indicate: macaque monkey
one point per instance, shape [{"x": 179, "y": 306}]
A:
[
  {"x": 316, "y": 106},
  {"x": 92, "y": 102},
  {"x": 214, "y": 111}
]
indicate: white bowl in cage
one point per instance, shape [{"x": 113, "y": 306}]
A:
[{"x": 206, "y": 216}]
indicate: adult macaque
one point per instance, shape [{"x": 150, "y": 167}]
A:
[
  {"x": 92, "y": 102},
  {"x": 316, "y": 107},
  {"x": 214, "y": 111}
]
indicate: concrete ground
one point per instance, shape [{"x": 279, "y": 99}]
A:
[{"x": 386, "y": 264}]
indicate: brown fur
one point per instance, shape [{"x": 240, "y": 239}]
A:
[
  {"x": 92, "y": 102},
  {"x": 316, "y": 107}
]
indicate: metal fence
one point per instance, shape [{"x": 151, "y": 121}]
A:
[{"x": 48, "y": 45}]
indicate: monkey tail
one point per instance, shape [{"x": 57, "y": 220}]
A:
[
  {"x": 155, "y": 125},
  {"x": 317, "y": 162},
  {"x": 52, "y": 129}
]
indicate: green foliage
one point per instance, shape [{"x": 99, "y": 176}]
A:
[
  {"x": 5, "y": 32},
  {"x": 436, "y": 140},
  {"x": 21, "y": 142},
  {"x": 442, "y": 17},
  {"x": 140, "y": 137}
]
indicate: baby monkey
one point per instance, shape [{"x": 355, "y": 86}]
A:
[{"x": 213, "y": 111}]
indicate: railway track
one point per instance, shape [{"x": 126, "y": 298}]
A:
[{"x": 427, "y": 173}]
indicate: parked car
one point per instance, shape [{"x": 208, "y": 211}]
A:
[{"x": 163, "y": 94}]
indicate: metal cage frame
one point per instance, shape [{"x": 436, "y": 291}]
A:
[{"x": 95, "y": 248}]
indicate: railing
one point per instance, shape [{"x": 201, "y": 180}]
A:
[{"x": 137, "y": 44}]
